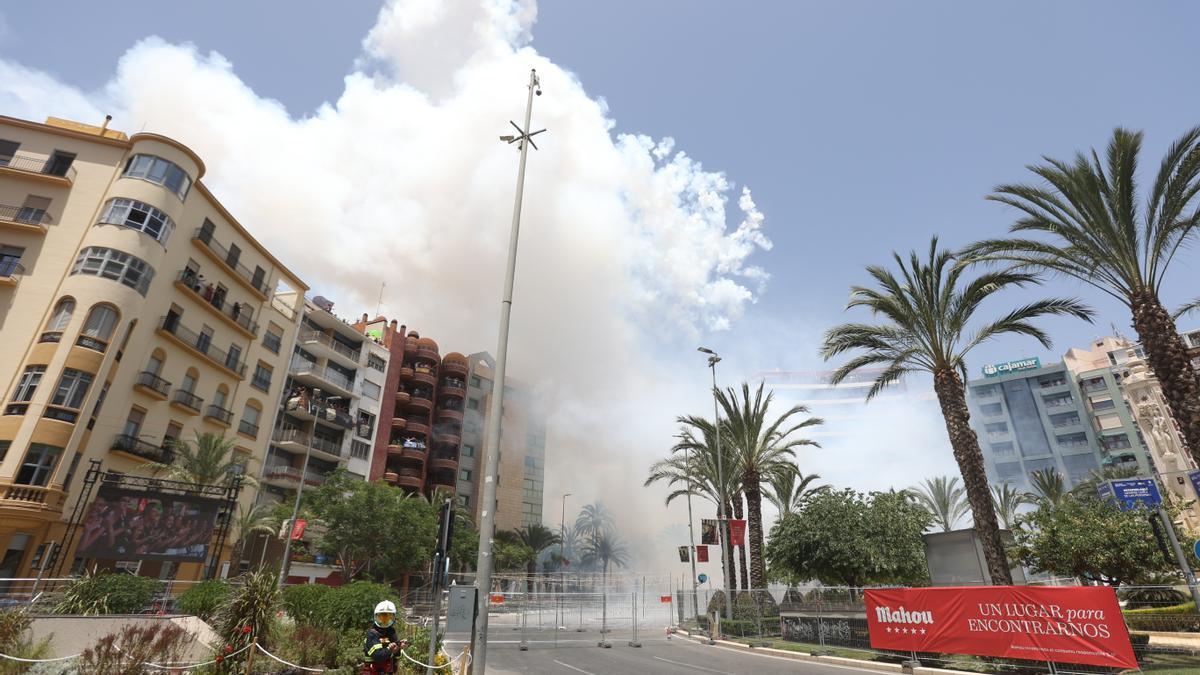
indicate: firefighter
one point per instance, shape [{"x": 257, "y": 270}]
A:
[{"x": 382, "y": 646}]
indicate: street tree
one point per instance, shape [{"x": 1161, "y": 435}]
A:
[
  {"x": 926, "y": 309},
  {"x": 537, "y": 538},
  {"x": 944, "y": 499},
  {"x": 786, "y": 489},
  {"x": 1049, "y": 487},
  {"x": 763, "y": 447},
  {"x": 846, "y": 538},
  {"x": 1008, "y": 501},
  {"x": 209, "y": 459},
  {"x": 1086, "y": 221}
]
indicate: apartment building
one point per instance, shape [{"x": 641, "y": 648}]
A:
[
  {"x": 134, "y": 310},
  {"x": 421, "y": 410},
  {"x": 1030, "y": 417},
  {"x": 331, "y": 405},
  {"x": 520, "y": 484}
]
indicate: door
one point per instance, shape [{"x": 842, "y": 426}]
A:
[{"x": 59, "y": 163}]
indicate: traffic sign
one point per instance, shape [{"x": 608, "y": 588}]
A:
[
  {"x": 1132, "y": 493},
  {"x": 1196, "y": 548},
  {"x": 703, "y": 578}
]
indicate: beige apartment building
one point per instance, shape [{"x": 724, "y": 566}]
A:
[{"x": 134, "y": 309}]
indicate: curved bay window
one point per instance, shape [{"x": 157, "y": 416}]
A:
[
  {"x": 38, "y": 465},
  {"x": 58, "y": 321},
  {"x": 98, "y": 329},
  {"x": 26, "y": 388},
  {"x": 117, "y": 265},
  {"x": 138, "y": 216},
  {"x": 160, "y": 171}
]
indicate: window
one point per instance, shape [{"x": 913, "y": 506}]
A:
[
  {"x": 7, "y": 150},
  {"x": 371, "y": 390},
  {"x": 464, "y": 474},
  {"x": 1004, "y": 449},
  {"x": 33, "y": 210},
  {"x": 468, "y": 451},
  {"x": 359, "y": 450},
  {"x": 59, "y": 163},
  {"x": 376, "y": 363},
  {"x": 189, "y": 382},
  {"x": 4, "y": 446},
  {"x": 996, "y": 428},
  {"x": 273, "y": 339},
  {"x": 116, "y": 265},
  {"x": 172, "y": 434},
  {"x": 13, "y": 556},
  {"x": 220, "y": 396},
  {"x": 159, "y": 170},
  {"x": 980, "y": 391},
  {"x": 1106, "y": 404},
  {"x": 133, "y": 424},
  {"x": 262, "y": 377},
  {"x": 464, "y": 501},
  {"x": 138, "y": 216},
  {"x": 233, "y": 358},
  {"x": 991, "y": 409},
  {"x": 249, "y": 424},
  {"x": 38, "y": 465},
  {"x": 98, "y": 328},
  {"x": 58, "y": 320},
  {"x": 366, "y": 424},
  {"x": 473, "y": 404},
  {"x": 72, "y": 388},
  {"x": 28, "y": 384},
  {"x": 155, "y": 364},
  {"x": 10, "y": 261},
  {"x": 475, "y": 381}
]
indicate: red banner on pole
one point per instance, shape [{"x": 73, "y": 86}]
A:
[
  {"x": 737, "y": 532},
  {"x": 701, "y": 554},
  {"x": 298, "y": 528},
  {"x": 1071, "y": 624},
  {"x": 664, "y": 599}
]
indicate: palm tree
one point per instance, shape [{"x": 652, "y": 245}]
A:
[
  {"x": 925, "y": 314},
  {"x": 255, "y": 520},
  {"x": 693, "y": 467},
  {"x": 1088, "y": 212},
  {"x": 786, "y": 490},
  {"x": 539, "y": 538},
  {"x": 1007, "y": 501},
  {"x": 1049, "y": 487},
  {"x": 606, "y": 549},
  {"x": 943, "y": 498},
  {"x": 763, "y": 447},
  {"x": 208, "y": 460}
]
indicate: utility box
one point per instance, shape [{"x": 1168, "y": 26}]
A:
[
  {"x": 955, "y": 558},
  {"x": 460, "y": 616}
]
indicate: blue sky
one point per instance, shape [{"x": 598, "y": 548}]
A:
[{"x": 861, "y": 128}]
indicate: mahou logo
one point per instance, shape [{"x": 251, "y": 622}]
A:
[{"x": 889, "y": 615}]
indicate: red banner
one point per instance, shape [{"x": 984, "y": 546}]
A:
[
  {"x": 701, "y": 554},
  {"x": 664, "y": 599},
  {"x": 1071, "y": 624},
  {"x": 737, "y": 532},
  {"x": 298, "y": 528}
]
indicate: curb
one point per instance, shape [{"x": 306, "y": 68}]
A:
[{"x": 832, "y": 660}]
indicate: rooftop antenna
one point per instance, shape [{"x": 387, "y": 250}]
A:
[{"x": 379, "y": 304}]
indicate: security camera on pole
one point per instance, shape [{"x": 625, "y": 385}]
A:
[{"x": 491, "y": 451}]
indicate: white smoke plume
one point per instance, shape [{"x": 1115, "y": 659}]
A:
[{"x": 630, "y": 248}]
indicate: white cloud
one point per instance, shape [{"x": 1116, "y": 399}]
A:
[{"x": 627, "y": 247}]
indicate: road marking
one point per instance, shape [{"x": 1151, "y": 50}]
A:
[
  {"x": 688, "y": 665},
  {"x": 812, "y": 661},
  {"x": 578, "y": 670}
]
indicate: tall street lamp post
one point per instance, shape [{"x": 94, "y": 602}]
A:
[
  {"x": 692, "y": 541},
  {"x": 713, "y": 360},
  {"x": 287, "y": 542},
  {"x": 487, "y": 519}
]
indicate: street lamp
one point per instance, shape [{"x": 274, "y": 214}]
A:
[
  {"x": 287, "y": 545},
  {"x": 713, "y": 360},
  {"x": 692, "y": 541},
  {"x": 491, "y": 448}
]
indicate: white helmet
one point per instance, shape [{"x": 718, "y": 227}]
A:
[{"x": 385, "y": 607}]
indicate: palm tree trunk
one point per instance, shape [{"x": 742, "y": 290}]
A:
[
  {"x": 1168, "y": 359},
  {"x": 753, "y": 491},
  {"x": 744, "y": 579},
  {"x": 949, "y": 388}
]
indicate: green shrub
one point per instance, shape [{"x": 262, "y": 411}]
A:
[
  {"x": 248, "y": 615},
  {"x": 311, "y": 646},
  {"x": 1174, "y": 619},
  {"x": 125, "y": 652},
  {"x": 203, "y": 599},
  {"x": 304, "y": 602},
  {"x": 352, "y": 605},
  {"x": 107, "y": 593},
  {"x": 1151, "y": 596}
]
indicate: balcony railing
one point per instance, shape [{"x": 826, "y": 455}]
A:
[
  {"x": 201, "y": 343},
  {"x": 328, "y": 341},
  {"x": 327, "y": 446},
  {"x": 302, "y": 367},
  {"x": 135, "y": 446},
  {"x": 216, "y": 412},
  {"x": 189, "y": 400},
  {"x": 248, "y": 428},
  {"x": 151, "y": 381},
  {"x": 11, "y": 269},
  {"x": 256, "y": 282},
  {"x": 25, "y": 215},
  {"x": 237, "y": 312},
  {"x": 43, "y": 165},
  {"x": 291, "y": 473}
]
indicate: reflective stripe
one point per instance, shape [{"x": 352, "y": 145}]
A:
[{"x": 375, "y": 647}]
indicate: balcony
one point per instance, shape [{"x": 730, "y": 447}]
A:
[
  {"x": 428, "y": 354},
  {"x": 11, "y": 271},
  {"x": 403, "y": 397},
  {"x": 219, "y": 415},
  {"x": 424, "y": 375},
  {"x": 187, "y": 402},
  {"x": 446, "y": 478},
  {"x": 323, "y": 344},
  {"x": 454, "y": 366},
  {"x": 23, "y": 219},
  {"x": 296, "y": 440},
  {"x": 289, "y": 476},
  {"x": 238, "y": 315},
  {"x": 418, "y": 425},
  {"x": 327, "y": 447},
  {"x": 399, "y": 423},
  {"x": 132, "y": 445},
  {"x": 32, "y": 497},
  {"x": 421, "y": 403},
  {"x": 201, "y": 345},
  {"x": 254, "y": 282},
  {"x": 152, "y": 385},
  {"x": 450, "y": 414},
  {"x": 453, "y": 387},
  {"x": 50, "y": 169},
  {"x": 409, "y": 478},
  {"x": 247, "y": 428},
  {"x": 324, "y": 378},
  {"x": 448, "y": 437},
  {"x": 406, "y": 373},
  {"x": 444, "y": 462}
]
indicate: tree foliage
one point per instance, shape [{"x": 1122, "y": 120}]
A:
[
  {"x": 944, "y": 499},
  {"x": 1090, "y": 539},
  {"x": 846, "y": 538},
  {"x": 209, "y": 459}
]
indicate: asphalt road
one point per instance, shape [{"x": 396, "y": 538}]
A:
[{"x": 578, "y": 654}]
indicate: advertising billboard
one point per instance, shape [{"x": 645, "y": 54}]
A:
[
  {"x": 1069, "y": 624},
  {"x": 998, "y": 369},
  {"x": 128, "y": 524}
]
